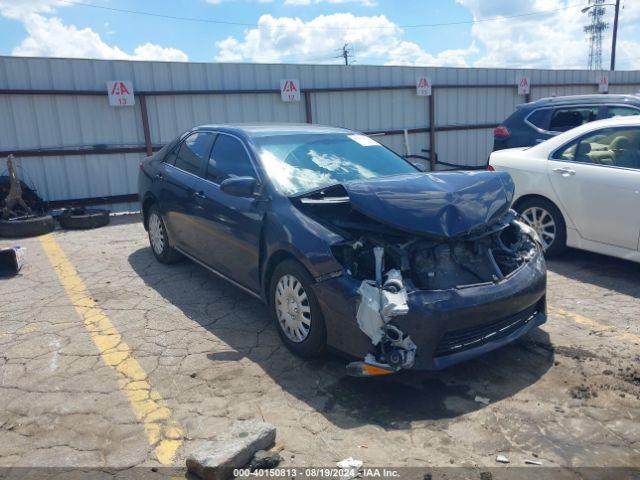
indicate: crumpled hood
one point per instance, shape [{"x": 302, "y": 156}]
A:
[{"x": 443, "y": 204}]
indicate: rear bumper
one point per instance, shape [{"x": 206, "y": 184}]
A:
[{"x": 447, "y": 326}]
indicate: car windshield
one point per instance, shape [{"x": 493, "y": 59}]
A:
[{"x": 305, "y": 162}]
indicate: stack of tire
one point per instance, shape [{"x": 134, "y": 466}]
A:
[{"x": 70, "y": 219}]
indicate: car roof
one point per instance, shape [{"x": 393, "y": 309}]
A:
[
  {"x": 583, "y": 99},
  {"x": 255, "y": 130}
]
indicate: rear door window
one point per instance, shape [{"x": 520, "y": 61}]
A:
[
  {"x": 563, "y": 119},
  {"x": 171, "y": 155},
  {"x": 540, "y": 118},
  {"x": 228, "y": 159},
  {"x": 617, "y": 111},
  {"x": 194, "y": 151}
]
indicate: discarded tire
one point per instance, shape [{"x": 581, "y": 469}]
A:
[
  {"x": 83, "y": 218},
  {"x": 26, "y": 227}
]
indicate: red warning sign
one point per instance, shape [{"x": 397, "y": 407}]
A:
[
  {"x": 290, "y": 90},
  {"x": 423, "y": 86},
  {"x": 603, "y": 84},
  {"x": 524, "y": 86},
  {"x": 120, "y": 93}
]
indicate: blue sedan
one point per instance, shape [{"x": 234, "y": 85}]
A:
[{"x": 349, "y": 245}]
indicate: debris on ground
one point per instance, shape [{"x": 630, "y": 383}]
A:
[
  {"x": 265, "y": 460},
  {"x": 232, "y": 448},
  {"x": 350, "y": 467},
  {"x": 483, "y": 400},
  {"x": 502, "y": 459},
  {"x": 349, "y": 463},
  {"x": 11, "y": 260},
  {"x": 583, "y": 392},
  {"x": 533, "y": 462},
  {"x": 631, "y": 375}
]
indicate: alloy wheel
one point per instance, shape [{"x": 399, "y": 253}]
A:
[
  {"x": 292, "y": 308},
  {"x": 156, "y": 234},
  {"x": 542, "y": 222}
]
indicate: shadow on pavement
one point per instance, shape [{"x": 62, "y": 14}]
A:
[
  {"x": 393, "y": 402},
  {"x": 622, "y": 276}
]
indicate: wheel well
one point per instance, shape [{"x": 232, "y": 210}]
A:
[
  {"x": 532, "y": 196},
  {"x": 145, "y": 211},
  {"x": 275, "y": 259}
]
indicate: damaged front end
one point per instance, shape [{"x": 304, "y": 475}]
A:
[
  {"x": 381, "y": 301},
  {"x": 393, "y": 249}
]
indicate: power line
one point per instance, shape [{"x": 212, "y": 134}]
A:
[{"x": 253, "y": 25}]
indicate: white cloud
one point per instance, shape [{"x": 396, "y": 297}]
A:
[
  {"x": 151, "y": 51},
  {"x": 320, "y": 40},
  {"x": 48, "y": 36},
  {"x": 17, "y": 9},
  {"x": 366, "y": 3},
  {"x": 552, "y": 40},
  {"x": 410, "y": 53}
]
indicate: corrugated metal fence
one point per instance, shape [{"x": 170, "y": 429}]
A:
[{"x": 71, "y": 145}]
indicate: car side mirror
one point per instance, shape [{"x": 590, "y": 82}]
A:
[{"x": 239, "y": 186}]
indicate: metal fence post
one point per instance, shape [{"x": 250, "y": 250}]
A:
[
  {"x": 432, "y": 128},
  {"x": 145, "y": 124},
  {"x": 307, "y": 106}
]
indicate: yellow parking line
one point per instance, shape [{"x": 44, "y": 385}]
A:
[
  {"x": 162, "y": 432},
  {"x": 600, "y": 327}
]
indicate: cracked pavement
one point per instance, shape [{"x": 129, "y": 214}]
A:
[{"x": 569, "y": 392}]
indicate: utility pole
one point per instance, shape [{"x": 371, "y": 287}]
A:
[
  {"x": 615, "y": 35},
  {"x": 346, "y": 53},
  {"x": 595, "y": 30}
]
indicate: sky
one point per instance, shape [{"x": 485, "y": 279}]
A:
[{"x": 460, "y": 33}]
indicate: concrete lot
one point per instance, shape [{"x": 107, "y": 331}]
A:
[{"x": 110, "y": 359}]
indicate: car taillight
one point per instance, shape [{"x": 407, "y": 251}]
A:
[
  {"x": 490, "y": 168},
  {"x": 501, "y": 132}
]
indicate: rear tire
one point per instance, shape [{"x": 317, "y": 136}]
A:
[
  {"x": 295, "y": 310},
  {"x": 158, "y": 238},
  {"x": 546, "y": 219}
]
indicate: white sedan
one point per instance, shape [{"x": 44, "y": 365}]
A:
[{"x": 581, "y": 188}]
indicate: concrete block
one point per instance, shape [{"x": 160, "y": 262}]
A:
[{"x": 233, "y": 448}]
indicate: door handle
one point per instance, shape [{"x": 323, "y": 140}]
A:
[
  {"x": 199, "y": 195},
  {"x": 564, "y": 171}
]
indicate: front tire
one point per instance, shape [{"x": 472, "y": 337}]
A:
[
  {"x": 545, "y": 218},
  {"x": 158, "y": 238},
  {"x": 295, "y": 310}
]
